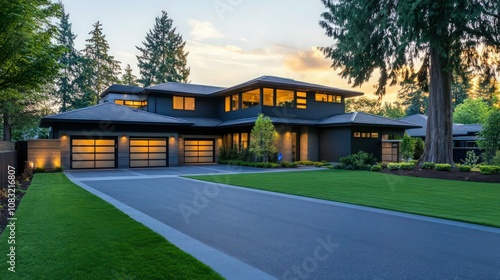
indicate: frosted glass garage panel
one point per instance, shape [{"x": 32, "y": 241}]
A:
[
  {"x": 191, "y": 148},
  {"x": 83, "y": 164},
  {"x": 157, "y": 163},
  {"x": 83, "y": 156},
  {"x": 191, "y": 154},
  {"x": 105, "y": 164},
  {"x": 157, "y": 149},
  {"x": 138, "y": 156},
  {"x": 157, "y": 156},
  {"x": 206, "y": 159},
  {"x": 82, "y": 149},
  {"x": 84, "y": 142},
  {"x": 205, "y": 154},
  {"x": 134, "y": 142},
  {"x": 191, "y": 160},
  {"x": 138, "y": 149},
  {"x": 206, "y": 143},
  {"x": 105, "y": 149},
  {"x": 105, "y": 157},
  {"x": 206, "y": 148},
  {"x": 158, "y": 143},
  {"x": 105, "y": 142},
  {"x": 138, "y": 163},
  {"x": 191, "y": 142}
]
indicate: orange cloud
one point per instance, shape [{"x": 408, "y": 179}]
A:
[{"x": 307, "y": 60}]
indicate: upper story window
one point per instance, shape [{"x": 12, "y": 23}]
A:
[
  {"x": 184, "y": 103},
  {"x": 323, "y": 97},
  {"x": 301, "y": 100},
  {"x": 227, "y": 104},
  {"x": 268, "y": 97},
  {"x": 250, "y": 98},
  {"x": 285, "y": 98},
  {"x": 365, "y": 134},
  {"x": 131, "y": 103},
  {"x": 235, "y": 102}
]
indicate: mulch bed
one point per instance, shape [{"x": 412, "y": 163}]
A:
[
  {"x": 4, "y": 211},
  {"x": 447, "y": 175}
]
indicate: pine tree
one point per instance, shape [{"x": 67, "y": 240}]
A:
[
  {"x": 393, "y": 36},
  {"x": 128, "y": 78},
  {"x": 163, "y": 58},
  {"x": 103, "y": 68},
  {"x": 66, "y": 90}
]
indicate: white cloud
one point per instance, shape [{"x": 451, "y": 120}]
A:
[{"x": 203, "y": 30}]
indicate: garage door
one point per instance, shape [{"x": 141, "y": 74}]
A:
[
  {"x": 198, "y": 151},
  {"x": 148, "y": 152},
  {"x": 93, "y": 153}
]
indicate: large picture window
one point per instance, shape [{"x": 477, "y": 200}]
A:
[
  {"x": 250, "y": 98},
  {"x": 184, "y": 103},
  {"x": 285, "y": 98},
  {"x": 268, "y": 97}
]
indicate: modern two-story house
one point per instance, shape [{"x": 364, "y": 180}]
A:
[{"x": 175, "y": 124}]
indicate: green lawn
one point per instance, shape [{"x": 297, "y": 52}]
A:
[
  {"x": 457, "y": 200},
  {"x": 64, "y": 232}
]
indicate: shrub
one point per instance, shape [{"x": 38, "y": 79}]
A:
[
  {"x": 287, "y": 164},
  {"x": 428, "y": 165},
  {"x": 58, "y": 169},
  {"x": 358, "y": 161},
  {"x": 489, "y": 169},
  {"x": 443, "y": 167},
  {"x": 383, "y": 165},
  {"x": 470, "y": 158},
  {"x": 376, "y": 168},
  {"x": 393, "y": 166},
  {"x": 407, "y": 166},
  {"x": 39, "y": 170},
  {"x": 407, "y": 147},
  {"x": 419, "y": 148},
  {"x": 464, "y": 168},
  {"x": 496, "y": 159},
  {"x": 339, "y": 166}
]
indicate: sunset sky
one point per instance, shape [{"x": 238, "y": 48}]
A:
[{"x": 229, "y": 41}]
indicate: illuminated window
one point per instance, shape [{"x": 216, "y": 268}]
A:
[
  {"x": 250, "y": 98},
  {"x": 365, "y": 135},
  {"x": 374, "y": 134},
  {"x": 268, "y": 97},
  {"x": 235, "y": 102},
  {"x": 285, "y": 98},
  {"x": 240, "y": 141},
  {"x": 227, "y": 104},
  {"x": 323, "y": 97},
  {"x": 131, "y": 103},
  {"x": 357, "y": 134},
  {"x": 244, "y": 140},
  {"x": 184, "y": 103},
  {"x": 301, "y": 100},
  {"x": 236, "y": 141}
]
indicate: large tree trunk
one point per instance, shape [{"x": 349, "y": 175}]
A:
[{"x": 438, "y": 139}]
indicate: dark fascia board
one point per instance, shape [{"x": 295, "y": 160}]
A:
[
  {"x": 353, "y": 124},
  {"x": 132, "y": 90},
  {"x": 254, "y": 84},
  {"x": 48, "y": 122},
  {"x": 160, "y": 92}
]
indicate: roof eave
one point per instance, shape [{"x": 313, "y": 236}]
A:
[{"x": 48, "y": 122}]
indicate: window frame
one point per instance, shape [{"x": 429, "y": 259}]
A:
[
  {"x": 183, "y": 103},
  {"x": 329, "y": 98}
]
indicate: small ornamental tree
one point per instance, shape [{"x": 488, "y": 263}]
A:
[
  {"x": 407, "y": 147},
  {"x": 490, "y": 136},
  {"x": 263, "y": 139},
  {"x": 419, "y": 147}
]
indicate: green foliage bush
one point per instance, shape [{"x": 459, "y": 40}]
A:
[
  {"x": 376, "y": 168},
  {"x": 496, "y": 159},
  {"x": 393, "y": 166},
  {"x": 287, "y": 164},
  {"x": 313, "y": 163},
  {"x": 490, "y": 169},
  {"x": 39, "y": 170},
  {"x": 358, "y": 161},
  {"x": 407, "y": 147},
  {"x": 471, "y": 158},
  {"x": 464, "y": 168},
  {"x": 407, "y": 166},
  {"x": 58, "y": 169},
  {"x": 250, "y": 164},
  {"x": 419, "y": 148},
  {"x": 339, "y": 166},
  {"x": 443, "y": 167},
  {"x": 428, "y": 165}
]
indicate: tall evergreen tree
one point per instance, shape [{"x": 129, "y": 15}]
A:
[
  {"x": 394, "y": 36},
  {"x": 102, "y": 69},
  {"x": 66, "y": 90},
  {"x": 163, "y": 58},
  {"x": 128, "y": 78}
]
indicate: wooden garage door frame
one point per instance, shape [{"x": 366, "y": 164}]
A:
[
  {"x": 95, "y": 139},
  {"x": 148, "y": 153},
  {"x": 198, "y": 150}
]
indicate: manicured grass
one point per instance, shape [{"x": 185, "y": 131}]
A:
[
  {"x": 64, "y": 232},
  {"x": 457, "y": 200}
]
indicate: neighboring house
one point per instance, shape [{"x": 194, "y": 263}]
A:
[
  {"x": 174, "y": 124},
  {"x": 464, "y": 135}
]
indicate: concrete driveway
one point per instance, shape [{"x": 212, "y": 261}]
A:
[{"x": 251, "y": 234}]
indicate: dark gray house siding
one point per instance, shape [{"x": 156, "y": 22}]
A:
[
  {"x": 368, "y": 145},
  {"x": 163, "y": 105},
  {"x": 334, "y": 143},
  {"x": 241, "y": 113}
]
